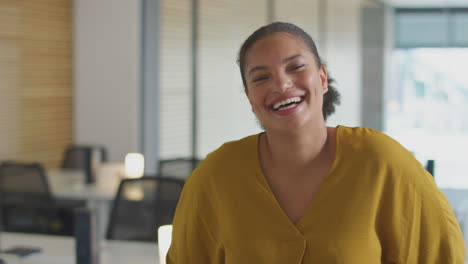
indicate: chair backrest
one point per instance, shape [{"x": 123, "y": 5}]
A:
[
  {"x": 179, "y": 168},
  {"x": 24, "y": 179},
  {"x": 86, "y": 158},
  {"x": 141, "y": 206},
  {"x": 25, "y": 199}
]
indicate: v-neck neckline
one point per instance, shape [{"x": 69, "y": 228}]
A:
[{"x": 322, "y": 190}]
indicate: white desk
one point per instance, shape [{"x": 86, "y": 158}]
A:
[
  {"x": 61, "y": 250},
  {"x": 70, "y": 184}
]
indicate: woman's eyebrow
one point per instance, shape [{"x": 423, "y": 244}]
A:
[
  {"x": 256, "y": 68},
  {"x": 285, "y": 60},
  {"x": 290, "y": 58}
]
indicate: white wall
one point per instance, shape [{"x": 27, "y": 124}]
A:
[
  {"x": 373, "y": 60},
  {"x": 107, "y": 74},
  {"x": 342, "y": 53}
]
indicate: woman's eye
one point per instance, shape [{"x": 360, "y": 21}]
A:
[
  {"x": 260, "y": 78},
  {"x": 296, "y": 67}
]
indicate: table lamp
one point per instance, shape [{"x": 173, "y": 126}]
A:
[
  {"x": 164, "y": 241},
  {"x": 134, "y": 165}
]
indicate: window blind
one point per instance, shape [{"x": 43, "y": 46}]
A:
[
  {"x": 224, "y": 111},
  {"x": 175, "y": 82}
]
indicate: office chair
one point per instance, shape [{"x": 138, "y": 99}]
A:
[
  {"x": 141, "y": 206},
  {"x": 179, "y": 168},
  {"x": 86, "y": 158},
  {"x": 27, "y": 204}
]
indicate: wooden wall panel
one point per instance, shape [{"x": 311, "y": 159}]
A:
[{"x": 35, "y": 80}]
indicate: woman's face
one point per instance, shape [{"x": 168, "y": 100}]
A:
[{"x": 285, "y": 86}]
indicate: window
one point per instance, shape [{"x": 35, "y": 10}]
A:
[{"x": 427, "y": 100}]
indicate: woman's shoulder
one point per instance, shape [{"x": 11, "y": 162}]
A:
[
  {"x": 362, "y": 133},
  {"x": 230, "y": 156},
  {"x": 232, "y": 152},
  {"x": 368, "y": 140},
  {"x": 368, "y": 147},
  {"x": 234, "y": 148}
]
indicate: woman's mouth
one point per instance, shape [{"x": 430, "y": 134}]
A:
[{"x": 287, "y": 103}]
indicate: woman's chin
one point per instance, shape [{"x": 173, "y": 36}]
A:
[{"x": 286, "y": 126}]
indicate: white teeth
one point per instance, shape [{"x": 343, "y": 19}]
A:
[
  {"x": 287, "y": 107},
  {"x": 287, "y": 101}
]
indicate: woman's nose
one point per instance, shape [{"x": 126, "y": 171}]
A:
[{"x": 282, "y": 82}]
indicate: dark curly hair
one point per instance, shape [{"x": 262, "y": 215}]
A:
[{"x": 331, "y": 98}]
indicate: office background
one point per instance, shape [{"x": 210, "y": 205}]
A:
[{"x": 122, "y": 74}]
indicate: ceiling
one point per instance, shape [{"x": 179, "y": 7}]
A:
[{"x": 427, "y": 3}]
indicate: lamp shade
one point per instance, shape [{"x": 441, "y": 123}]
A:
[
  {"x": 134, "y": 165},
  {"x": 164, "y": 241}
]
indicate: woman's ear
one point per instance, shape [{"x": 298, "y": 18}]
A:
[{"x": 324, "y": 78}]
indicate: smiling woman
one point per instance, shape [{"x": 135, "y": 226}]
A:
[
  {"x": 302, "y": 192},
  {"x": 330, "y": 99},
  {"x": 291, "y": 80}
]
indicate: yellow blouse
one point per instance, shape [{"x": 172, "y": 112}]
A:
[{"x": 376, "y": 205}]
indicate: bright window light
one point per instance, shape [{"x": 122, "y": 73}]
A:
[{"x": 426, "y": 109}]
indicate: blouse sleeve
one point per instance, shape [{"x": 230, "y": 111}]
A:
[
  {"x": 193, "y": 240},
  {"x": 419, "y": 225}
]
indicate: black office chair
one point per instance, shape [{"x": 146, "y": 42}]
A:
[
  {"x": 141, "y": 206},
  {"x": 179, "y": 168},
  {"x": 27, "y": 204},
  {"x": 86, "y": 158}
]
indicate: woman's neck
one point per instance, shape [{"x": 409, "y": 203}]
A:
[{"x": 301, "y": 149}]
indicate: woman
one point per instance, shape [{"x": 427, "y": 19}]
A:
[{"x": 302, "y": 192}]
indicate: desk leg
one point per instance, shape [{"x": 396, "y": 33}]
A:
[{"x": 102, "y": 210}]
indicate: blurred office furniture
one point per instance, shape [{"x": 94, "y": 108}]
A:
[
  {"x": 86, "y": 240},
  {"x": 430, "y": 167},
  {"x": 164, "y": 242},
  {"x": 179, "y": 168},
  {"x": 87, "y": 158},
  {"x": 141, "y": 206},
  {"x": 27, "y": 204},
  {"x": 61, "y": 250},
  {"x": 71, "y": 185}
]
